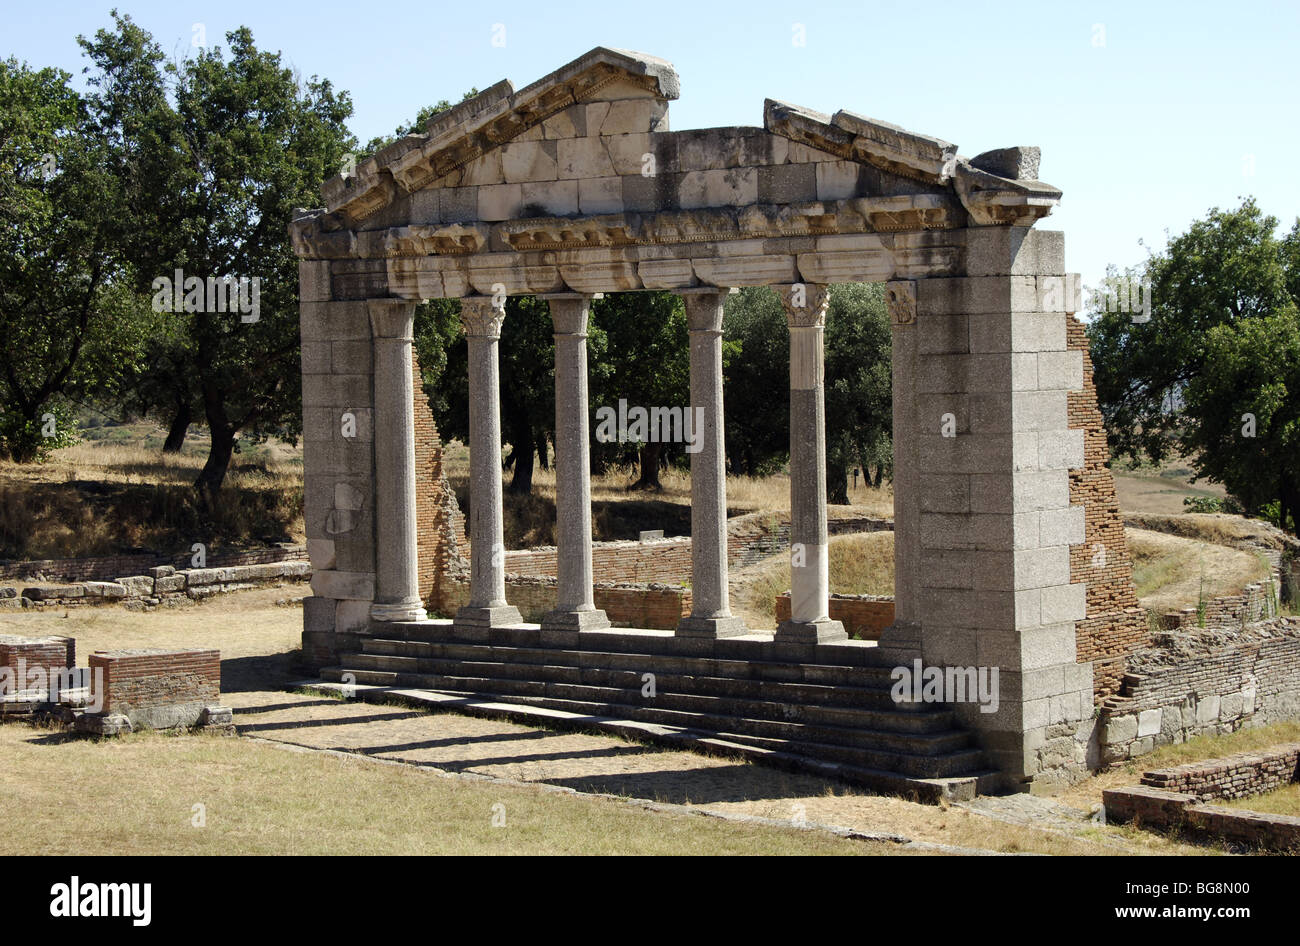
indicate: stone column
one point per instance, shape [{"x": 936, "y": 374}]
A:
[
  {"x": 397, "y": 578},
  {"x": 805, "y": 312},
  {"x": 575, "y": 608},
  {"x": 904, "y": 636},
  {"x": 487, "y": 606},
  {"x": 710, "y": 608}
]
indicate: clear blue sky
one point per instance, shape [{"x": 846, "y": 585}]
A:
[{"x": 1148, "y": 114}]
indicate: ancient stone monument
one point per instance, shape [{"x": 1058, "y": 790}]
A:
[{"x": 575, "y": 186}]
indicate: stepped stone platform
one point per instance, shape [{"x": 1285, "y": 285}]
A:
[{"x": 824, "y": 708}]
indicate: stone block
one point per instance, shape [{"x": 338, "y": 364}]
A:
[
  {"x": 321, "y": 553},
  {"x": 483, "y": 170},
  {"x": 1060, "y": 450},
  {"x": 1207, "y": 710},
  {"x": 1040, "y": 411},
  {"x": 318, "y": 614},
  {"x": 1148, "y": 722},
  {"x": 1061, "y": 526},
  {"x": 351, "y": 616},
  {"x": 582, "y": 159},
  {"x": 339, "y": 584},
  {"x": 600, "y": 196},
  {"x": 1120, "y": 730},
  {"x": 459, "y": 205},
  {"x": 525, "y": 161},
  {"x": 1042, "y": 567},
  {"x": 500, "y": 202},
  {"x": 1064, "y": 602},
  {"x": 333, "y": 321},
  {"x": 732, "y": 187},
  {"x": 999, "y": 251},
  {"x": 787, "y": 183},
  {"x": 551, "y": 198},
  {"x": 1060, "y": 370},
  {"x": 837, "y": 180},
  {"x": 314, "y": 281}
]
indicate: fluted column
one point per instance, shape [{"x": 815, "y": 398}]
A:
[
  {"x": 575, "y": 607},
  {"x": 487, "y": 607},
  {"x": 710, "y": 605},
  {"x": 397, "y": 577},
  {"x": 805, "y": 311}
]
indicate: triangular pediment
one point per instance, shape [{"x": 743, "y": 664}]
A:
[{"x": 585, "y": 157}]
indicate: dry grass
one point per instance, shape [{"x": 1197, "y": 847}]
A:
[
  {"x": 859, "y": 564},
  {"x": 261, "y": 800},
  {"x": 101, "y": 498},
  {"x": 1280, "y": 801},
  {"x": 1172, "y": 572},
  {"x": 1147, "y": 489},
  {"x": 1218, "y": 528},
  {"x": 621, "y": 513}
]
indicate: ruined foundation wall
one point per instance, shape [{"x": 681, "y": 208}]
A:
[{"x": 1115, "y": 625}]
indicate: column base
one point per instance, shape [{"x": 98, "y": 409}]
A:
[
  {"x": 824, "y": 631},
  {"x": 565, "y": 620},
  {"x": 711, "y": 628},
  {"x": 398, "y": 611},
  {"x": 563, "y": 627},
  {"x": 479, "y": 618}
]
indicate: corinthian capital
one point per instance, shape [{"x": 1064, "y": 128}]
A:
[
  {"x": 805, "y": 304},
  {"x": 481, "y": 316}
]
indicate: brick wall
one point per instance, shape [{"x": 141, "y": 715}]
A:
[
  {"x": 155, "y": 688},
  {"x": 440, "y": 525},
  {"x": 1202, "y": 681},
  {"x": 1116, "y": 625},
  {"x": 49, "y": 655},
  {"x": 627, "y": 604},
  {"x": 1236, "y": 776},
  {"x": 1176, "y": 798},
  {"x": 863, "y": 616}
]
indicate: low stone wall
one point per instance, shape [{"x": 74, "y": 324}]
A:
[
  {"x": 154, "y": 689},
  {"x": 626, "y": 604},
  {"x": 1202, "y": 681},
  {"x": 163, "y": 586},
  {"x": 106, "y": 567},
  {"x": 1236, "y": 776},
  {"x": 863, "y": 616},
  {"x": 1176, "y": 798}
]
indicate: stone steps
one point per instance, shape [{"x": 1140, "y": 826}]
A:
[
  {"x": 955, "y": 788},
  {"x": 760, "y": 699},
  {"x": 713, "y": 713},
  {"x": 833, "y": 707}
]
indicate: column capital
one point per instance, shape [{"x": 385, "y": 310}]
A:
[
  {"x": 805, "y": 304},
  {"x": 900, "y": 297},
  {"x": 704, "y": 307},
  {"x": 569, "y": 312},
  {"x": 391, "y": 318},
  {"x": 481, "y": 316}
]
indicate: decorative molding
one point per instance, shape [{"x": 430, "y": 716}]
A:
[
  {"x": 805, "y": 304},
  {"x": 900, "y": 297},
  {"x": 481, "y": 317}
]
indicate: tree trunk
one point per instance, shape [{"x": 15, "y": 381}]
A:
[
  {"x": 837, "y": 483},
  {"x": 649, "y": 455},
  {"x": 24, "y": 448},
  {"x": 521, "y": 439},
  {"x": 214, "y": 470},
  {"x": 180, "y": 425}
]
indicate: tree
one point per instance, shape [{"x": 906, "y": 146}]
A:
[
  {"x": 757, "y": 417},
  {"x": 859, "y": 385},
  {"x": 214, "y": 169},
  {"x": 1219, "y": 346},
  {"x": 58, "y": 218},
  {"x": 644, "y": 359}
]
